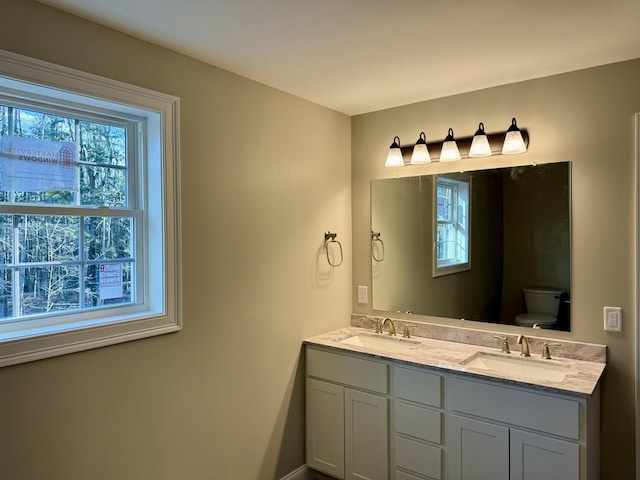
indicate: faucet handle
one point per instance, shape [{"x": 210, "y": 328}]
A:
[
  {"x": 505, "y": 343},
  {"x": 545, "y": 349},
  {"x": 405, "y": 332},
  {"x": 378, "y": 325}
]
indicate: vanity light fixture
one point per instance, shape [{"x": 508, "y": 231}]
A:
[
  {"x": 450, "y": 152},
  {"x": 513, "y": 141},
  {"x": 480, "y": 144},
  {"x": 420, "y": 155},
  {"x": 394, "y": 157}
]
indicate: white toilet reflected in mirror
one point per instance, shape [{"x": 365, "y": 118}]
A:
[{"x": 542, "y": 306}]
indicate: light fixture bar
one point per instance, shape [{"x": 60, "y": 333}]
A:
[{"x": 496, "y": 141}]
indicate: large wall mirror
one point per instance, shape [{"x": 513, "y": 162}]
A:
[{"x": 475, "y": 245}]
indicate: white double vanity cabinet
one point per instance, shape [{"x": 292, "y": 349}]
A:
[{"x": 417, "y": 414}]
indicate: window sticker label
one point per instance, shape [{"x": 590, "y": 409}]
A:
[
  {"x": 32, "y": 165},
  {"x": 110, "y": 280}
]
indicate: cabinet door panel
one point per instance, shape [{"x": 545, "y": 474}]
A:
[
  {"x": 366, "y": 436},
  {"x": 325, "y": 427},
  {"x": 476, "y": 450},
  {"x": 536, "y": 457}
]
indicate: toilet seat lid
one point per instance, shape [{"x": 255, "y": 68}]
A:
[{"x": 532, "y": 318}]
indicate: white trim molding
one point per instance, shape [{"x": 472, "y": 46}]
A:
[
  {"x": 305, "y": 473},
  {"x": 159, "y": 311}
]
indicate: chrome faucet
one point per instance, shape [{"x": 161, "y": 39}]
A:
[
  {"x": 522, "y": 340},
  {"x": 392, "y": 327}
]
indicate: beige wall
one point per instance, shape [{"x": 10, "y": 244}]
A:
[
  {"x": 264, "y": 175},
  {"x": 223, "y": 398},
  {"x": 585, "y": 117}
]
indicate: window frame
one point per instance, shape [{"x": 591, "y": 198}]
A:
[
  {"x": 159, "y": 309},
  {"x": 441, "y": 268}
]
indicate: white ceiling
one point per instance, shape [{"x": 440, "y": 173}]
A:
[{"x": 358, "y": 56}]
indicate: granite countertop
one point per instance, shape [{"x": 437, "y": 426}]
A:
[{"x": 444, "y": 355}]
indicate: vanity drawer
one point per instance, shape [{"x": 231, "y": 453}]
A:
[
  {"x": 418, "y": 457},
  {"x": 417, "y": 386},
  {"x": 417, "y": 422},
  {"x": 558, "y": 416},
  {"x": 347, "y": 370}
]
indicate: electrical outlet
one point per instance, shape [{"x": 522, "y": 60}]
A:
[
  {"x": 613, "y": 319},
  {"x": 363, "y": 294}
]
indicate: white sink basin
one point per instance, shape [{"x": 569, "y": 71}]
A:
[
  {"x": 381, "y": 342},
  {"x": 518, "y": 366}
]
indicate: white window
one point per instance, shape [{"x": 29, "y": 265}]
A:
[
  {"x": 89, "y": 225},
  {"x": 452, "y": 226}
]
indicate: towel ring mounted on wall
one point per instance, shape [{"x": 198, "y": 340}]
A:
[
  {"x": 375, "y": 238},
  {"x": 331, "y": 238}
]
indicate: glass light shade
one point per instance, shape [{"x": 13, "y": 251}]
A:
[
  {"x": 513, "y": 141},
  {"x": 480, "y": 144},
  {"x": 450, "y": 152},
  {"x": 394, "y": 157},
  {"x": 420, "y": 155}
]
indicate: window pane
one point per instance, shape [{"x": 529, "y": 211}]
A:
[
  {"x": 103, "y": 186},
  {"x": 108, "y": 238},
  {"x": 103, "y": 147},
  {"x": 20, "y": 122},
  {"x": 49, "y": 289},
  {"x": 445, "y": 204},
  {"x": 99, "y": 178},
  {"x": 48, "y": 238},
  {"x": 104, "y": 144},
  {"x": 445, "y": 242},
  {"x": 6, "y": 293},
  {"x": 100, "y": 291},
  {"x": 462, "y": 213},
  {"x": 6, "y": 236}
]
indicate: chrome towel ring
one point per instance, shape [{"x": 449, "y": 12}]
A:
[
  {"x": 377, "y": 246},
  {"x": 331, "y": 238}
]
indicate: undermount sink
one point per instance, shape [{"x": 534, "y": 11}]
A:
[
  {"x": 519, "y": 366},
  {"x": 381, "y": 342}
]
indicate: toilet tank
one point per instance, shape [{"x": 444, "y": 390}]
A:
[{"x": 542, "y": 300}]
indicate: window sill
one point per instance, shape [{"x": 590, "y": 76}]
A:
[{"x": 45, "y": 342}]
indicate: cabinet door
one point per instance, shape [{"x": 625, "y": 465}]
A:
[
  {"x": 536, "y": 457},
  {"x": 325, "y": 427},
  {"x": 366, "y": 436},
  {"x": 476, "y": 450}
]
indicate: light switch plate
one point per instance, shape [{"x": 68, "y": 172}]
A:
[{"x": 363, "y": 294}]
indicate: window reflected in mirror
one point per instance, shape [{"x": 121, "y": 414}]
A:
[{"x": 521, "y": 223}]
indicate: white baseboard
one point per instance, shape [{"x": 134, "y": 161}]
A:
[
  {"x": 305, "y": 473},
  {"x": 297, "y": 474}
]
